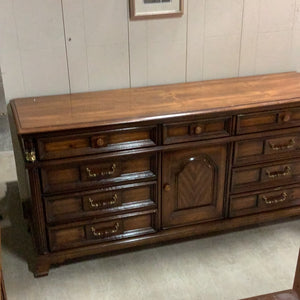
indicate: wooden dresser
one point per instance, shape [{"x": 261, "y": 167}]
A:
[{"x": 119, "y": 169}]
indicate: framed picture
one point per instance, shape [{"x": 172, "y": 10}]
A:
[{"x": 150, "y": 9}]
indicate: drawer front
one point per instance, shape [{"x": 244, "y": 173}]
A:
[
  {"x": 264, "y": 201},
  {"x": 262, "y": 149},
  {"x": 256, "y": 122},
  {"x": 255, "y": 177},
  {"x": 98, "y": 142},
  {"x": 106, "y": 201},
  {"x": 196, "y": 130},
  {"x": 101, "y": 172},
  {"x": 65, "y": 237}
]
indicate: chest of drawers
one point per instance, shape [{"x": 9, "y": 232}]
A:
[{"x": 121, "y": 169}]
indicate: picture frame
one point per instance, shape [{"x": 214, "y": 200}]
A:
[{"x": 152, "y": 9}]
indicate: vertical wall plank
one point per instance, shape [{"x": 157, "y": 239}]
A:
[
  {"x": 35, "y": 52},
  {"x": 158, "y": 50},
  {"x": 10, "y": 59},
  {"x": 97, "y": 44},
  {"x": 297, "y": 16},
  {"x": 267, "y": 41},
  {"x": 296, "y": 37},
  {"x": 274, "y": 43},
  {"x": 296, "y": 50},
  {"x": 195, "y": 39},
  {"x": 249, "y": 37},
  {"x": 223, "y": 25},
  {"x": 74, "y": 20}
]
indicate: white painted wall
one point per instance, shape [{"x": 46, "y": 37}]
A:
[
  {"x": 32, "y": 48},
  {"x": 58, "y": 46}
]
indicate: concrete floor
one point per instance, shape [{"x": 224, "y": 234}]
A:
[
  {"x": 5, "y": 139},
  {"x": 227, "y": 266},
  {"x": 2, "y": 97}
]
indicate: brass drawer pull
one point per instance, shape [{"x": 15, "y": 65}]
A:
[
  {"x": 103, "y": 204},
  {"x": 198, "y": 130},
  {"x": 276, "y": 174},
  {"x": 286, "y": 117},
  {"x": 290, "y": 145},
  {"x": 30, "y": 156},
  {"x": 100, "y": 142},
  {"x": 283, "y": 198},
  {"x": 107, "y": 231},
  {"x": 103, "y": 173}
]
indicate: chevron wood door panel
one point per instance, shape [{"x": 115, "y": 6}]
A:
[{"x": 193, "y": 185}]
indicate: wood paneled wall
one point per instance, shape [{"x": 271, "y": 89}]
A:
[{"x": 52, "y": 47}]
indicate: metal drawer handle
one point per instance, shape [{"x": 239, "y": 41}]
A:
[
  {"x": 198, "y": 130},
  {"x": 286, "y": 117},
  {"x": 290, "y": 145},
  {"x": 100, "y": 142},
  {"x": 283, "y": 198},
  {"x": 107, "y": 232},
  {"x": 103, "y": 204},
  {"x": 285, "y": 172},
  {"x": 112, "y": 170}
]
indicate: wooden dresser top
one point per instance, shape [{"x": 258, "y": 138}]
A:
[{"x": 73, "y": 111}]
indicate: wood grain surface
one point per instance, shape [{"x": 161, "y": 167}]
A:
[{"x": 62, "y": 112}]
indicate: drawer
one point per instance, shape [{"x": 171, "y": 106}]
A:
[
  {"x": 114, "y": 200},
  {"x": 264, "y": 201},
  {"x": 97, "y": 142},
  {"x": 196, "y": 130},
  {"x": 82, "y": 234},
  {"x": 99, "y": 173},
  {"x": 258, "y": 177},
  {"x": 269, "y": 148},
  {"x": 256, "y": 122}
]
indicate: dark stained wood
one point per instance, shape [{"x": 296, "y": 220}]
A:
[
  {"x": 98, "y": 142},
  {"x": 296, "y": 286},
  {"x": 52, "y": 113},
  {"x": 2, "y": 286},
  {"x": 268, "y": 148},
  {"x": 37, "y": 213},
  {"x": 193, "y": 185},
  {"x": 119, "y": 169},
  {"x": 100, "y": 173},
  {"x": 284, "y": 295},
  {"x": 266, "y": 175},
  {"x": 268, "y": 120},
  {"x": 257, "y": 202},
  {"x": 3, "y": 291},
  {"x": 73, "y": 235},
  {"x": 112, "y": 200},
  {"x": 196, "y": 130}
]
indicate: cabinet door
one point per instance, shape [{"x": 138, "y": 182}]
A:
[{"x": 193, "y": 185}]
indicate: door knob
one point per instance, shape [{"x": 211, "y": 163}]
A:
[{"x": 167, "y": 187}]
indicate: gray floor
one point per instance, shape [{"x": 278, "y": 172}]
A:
[
  {"x": 227, "y": 266},
  {"x": 2, "y": 97},
  {"x": 5, "y": 139}
]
